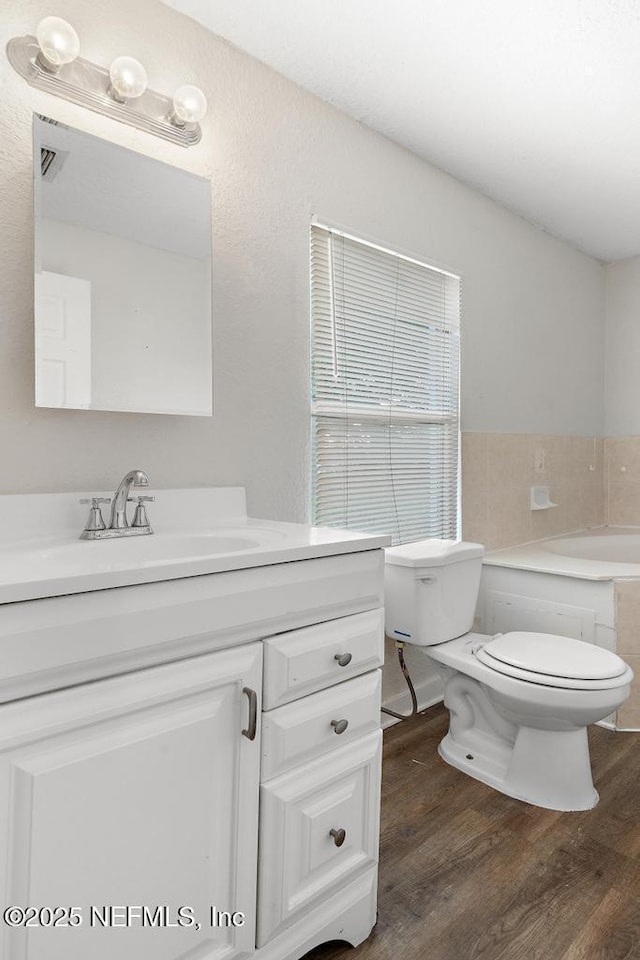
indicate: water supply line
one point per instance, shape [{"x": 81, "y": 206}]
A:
[{"x": 405, "y": 672}]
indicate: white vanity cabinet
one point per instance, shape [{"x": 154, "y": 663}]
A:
[{"x": 135, "y": 786}]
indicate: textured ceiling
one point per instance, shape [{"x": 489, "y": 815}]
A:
[{"x": 536, "y": 103}]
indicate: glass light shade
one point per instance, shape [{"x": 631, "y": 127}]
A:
[
  {"x": 58, "y": 41},
  {"x": 128, "y": 79},
  {"x": 189, "y": 104}
]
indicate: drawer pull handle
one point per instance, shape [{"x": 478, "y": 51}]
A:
[
  {"x": 339, "y": 836},
  {"x": 339, "y": 726},
  {"x": 250, "y": 732},
  {"x": 344, "y": 659}
]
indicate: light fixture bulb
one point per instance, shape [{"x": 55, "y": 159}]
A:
[
  {"x": 58, "y": 41},
  {"x": 128, "y": 79},
  {"x": 189, "y": 105}
]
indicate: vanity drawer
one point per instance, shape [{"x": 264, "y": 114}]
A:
[
  {"x": 304, "y": 661},
  {"x": 300, "y": 859},
  {"x": 301, "y": 731}
]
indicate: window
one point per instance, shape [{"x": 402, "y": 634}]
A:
[{"x": 385, "y": 371}]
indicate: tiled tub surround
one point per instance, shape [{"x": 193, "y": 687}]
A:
[
  {"x": 499, "y": 469},
  {"x": 622, "y": 481},
  {"x": 593, "y": 480},
  {"x": 627, "y": 599}
]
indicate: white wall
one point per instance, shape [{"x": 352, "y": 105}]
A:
[
  {"x": 532, "y": 312},
  {"x": 622, "y": 351}
]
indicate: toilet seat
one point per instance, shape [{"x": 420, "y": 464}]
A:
[{"x": 553, "y": 661}]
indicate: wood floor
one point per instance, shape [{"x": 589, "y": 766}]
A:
[{"x": 469, "y": 874}]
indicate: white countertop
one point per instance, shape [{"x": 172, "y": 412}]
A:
[{"x": 196, "y": 532}]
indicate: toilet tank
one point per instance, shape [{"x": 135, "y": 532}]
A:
[{"x": 431, "y": 590}]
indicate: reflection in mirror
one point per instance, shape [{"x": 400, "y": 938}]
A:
[{"x": 123, "y": 278}]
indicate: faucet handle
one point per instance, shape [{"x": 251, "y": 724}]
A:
[
  {"x": 95, "y": 520},
  {"x": 140, "y": 518}
]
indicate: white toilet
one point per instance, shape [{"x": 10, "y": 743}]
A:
[{"x": 519, "y": 703}]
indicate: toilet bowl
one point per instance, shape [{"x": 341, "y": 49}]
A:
[{"x": 519, "y": 702}]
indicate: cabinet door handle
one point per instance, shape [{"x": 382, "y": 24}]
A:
[
  {"x": 343, "y": 659},
  {"x": 250, "y": 732},
  {"x": 339, "y": 836},
  {"x": 339, "y": 726}
]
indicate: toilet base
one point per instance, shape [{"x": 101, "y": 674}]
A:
[{"x": 547, "y": 768}]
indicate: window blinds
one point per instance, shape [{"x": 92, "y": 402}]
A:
[{"x": 385, "y": 371}]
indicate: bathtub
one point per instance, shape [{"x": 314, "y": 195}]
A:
[
  {"x": 602, "y": 553},
  {"x": 585, "y": 585}
]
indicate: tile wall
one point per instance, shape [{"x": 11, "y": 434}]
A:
[
  {"x": 628, "y": 640},
  {"x": 622, "y": 481},
  {"x": 594, "y": 481},
  {"x": 498, "y": 470}
]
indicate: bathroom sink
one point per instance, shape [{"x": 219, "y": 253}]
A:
[
  {"x": 72, "y": 556},
  {"x": 168, "y": 546}
]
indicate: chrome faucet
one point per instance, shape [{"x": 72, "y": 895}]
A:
[
  {"x": 135, "y": 478},
  {"x": 119, "y": 526}
]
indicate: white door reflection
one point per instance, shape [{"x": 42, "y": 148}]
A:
[{"x": 63, "y": 341}]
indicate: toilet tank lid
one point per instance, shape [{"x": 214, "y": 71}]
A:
[{"x": 432, "y": 553}]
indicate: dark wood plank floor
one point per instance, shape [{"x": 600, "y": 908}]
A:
[{"x": 469, "y": 874}]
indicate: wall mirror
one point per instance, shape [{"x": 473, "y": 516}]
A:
[{"x": 122, "y": 278}]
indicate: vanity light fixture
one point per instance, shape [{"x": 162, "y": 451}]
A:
[{"x": 50, "y": 61}]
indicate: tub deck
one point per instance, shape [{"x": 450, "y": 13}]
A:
[{"x": 547, "y": 556}]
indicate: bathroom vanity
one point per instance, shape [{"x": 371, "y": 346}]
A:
[{"x": 190, "y": 743}]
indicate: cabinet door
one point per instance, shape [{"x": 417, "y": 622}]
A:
[
  {"x": 135, "y": 800},
  {"x": 319, "y": 827}
]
